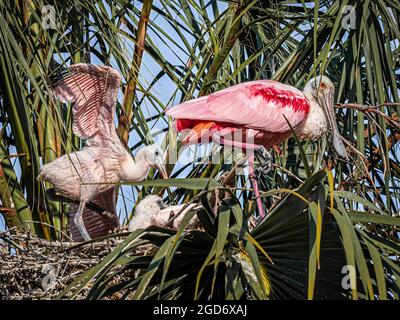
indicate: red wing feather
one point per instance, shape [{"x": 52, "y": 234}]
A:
[{"x": 261, "y": 105}]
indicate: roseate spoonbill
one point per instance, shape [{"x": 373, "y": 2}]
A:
[
  {"x": 259, "y": 111},
  {"x": 152, "y": 211},
  {"x": 88, "y": 176}
]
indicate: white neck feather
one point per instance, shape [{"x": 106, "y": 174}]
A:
[
  {"x": 315, "y": 125},
  {"x": 134, "y": 170}
]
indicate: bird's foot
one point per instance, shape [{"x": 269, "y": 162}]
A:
[
  {"x": 265, "y": 159},
  {"x": 81, "y": 227}
]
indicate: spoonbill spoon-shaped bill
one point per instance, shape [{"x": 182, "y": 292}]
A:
[
  {"x": 90, "y": 175},
  {"x": 152, "y": 211},
  {"x": 261, "y": 111}
]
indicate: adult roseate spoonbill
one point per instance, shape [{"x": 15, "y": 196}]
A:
[
  {"x": 152, "y": 211},
  {"x": 256, "y": 111},
  {"x": 88, "y": 176}
]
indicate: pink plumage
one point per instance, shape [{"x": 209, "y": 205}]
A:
[
  {"x": 94, "y": 90},
  {"x": 258, "y": 105}
]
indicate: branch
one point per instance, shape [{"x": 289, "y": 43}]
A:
[
  {"x": 130, "y": 91},
  {"x": 374, "y": 109}
]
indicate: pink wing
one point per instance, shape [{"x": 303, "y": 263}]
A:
[
  {"x": 259, "y": 105},
  {"x": 94, "y": 91},
  {"x": 96, "y": 224}
]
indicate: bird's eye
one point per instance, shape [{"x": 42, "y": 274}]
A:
[
  {"x": 322, "y": 86},
  {"x": 156, "y": 153}
]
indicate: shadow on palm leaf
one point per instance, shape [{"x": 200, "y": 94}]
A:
[{"x": 289, "y": 234}]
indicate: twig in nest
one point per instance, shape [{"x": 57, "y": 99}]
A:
[{"x": 14, "y": 244}]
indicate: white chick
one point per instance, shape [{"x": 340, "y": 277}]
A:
[{"x": 152, "y": 211}]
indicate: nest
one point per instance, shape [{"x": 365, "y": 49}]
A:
[{"x": 33, "y": 268}]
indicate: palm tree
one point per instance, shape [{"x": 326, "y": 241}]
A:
[{"x": 326, "y": 218}]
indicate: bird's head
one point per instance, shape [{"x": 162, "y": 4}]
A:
[
  {"x": 150, "y": 203},
  {"x": 145, "y": 210},
  {"x": 154, "y": 156},
  {"x": 321, "y": 90}
]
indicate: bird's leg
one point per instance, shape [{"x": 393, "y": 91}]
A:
[
  {"x": 79, "y": 223},
  {"x": 253, "y": 179},
  {"x": 249, "y": 146},
  {"x": 277, "y": 149},
  {"x": 265, "y": 159}
]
